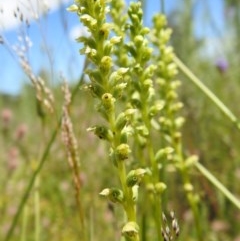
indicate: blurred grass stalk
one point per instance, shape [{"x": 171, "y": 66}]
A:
[
  {"x": 218, "y": 184},
  {"x": 24, "y": 224},
  {"x": 196, "y": 81},
  {"x": 71, "y": 146},
  {"x": 37, "y": 209}
]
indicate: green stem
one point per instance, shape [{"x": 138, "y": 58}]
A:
[
  {"x": 218, "y": 184},
  {"x": 196, "y": 216},
  {"x": 129, "y": 205},
  {"x": 156, "y": 202},
  {"x": 207, "y": 92},
  {"x": 158, "y": 215},
  {"x": 37, "y": 210},
  {"x": 189, "y": 194},
  {"x": 24, "y": 224}
]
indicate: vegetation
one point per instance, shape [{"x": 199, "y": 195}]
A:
[{"x": 138, "y": 148}]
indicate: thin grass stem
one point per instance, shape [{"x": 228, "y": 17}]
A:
[
  {"x": 218, "y": 184},
  {"x": 24, "y": 224},
  {"x": 225, "y": 110},
  {"x": 190, "y": 194},
  {"x": 37, "y": 209}
]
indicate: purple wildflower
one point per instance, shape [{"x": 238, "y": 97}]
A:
[{"x": 222, "y": 65}]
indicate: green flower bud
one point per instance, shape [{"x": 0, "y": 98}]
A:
[
  {"x": 115, "y": 39},
  {"x": 123, "y": 136},
  {"x": 135, "y": 193},
  {"x": 143, "y": 130},
  {"x": 161, "y": 81},
  {"x": 176, "y": 107},
  {"x": 142, "y": 141},
  {"x": 95, "y": 89},
  {"x": 172, "y": 70},
  {"x": 155, "y": 124},
  {"x": 130, "y": 230},
  {"x": 72, "y": 8},
  {"x": 150, "y": 188},
  {"x": 126, "y": 131},
  {"x": 138, "y": 41},
  {"x": 160, "y": 21},
  {"x": 113, "y": 194},
  {"x": 179, "y": 122},
  {"x": 145, "y": 30},
  {"x": 136, "y": 21},
  {"x": 82, "y": 10},
  {"x": 122, "y": 152},
  {"x": 188, "y": 187},
  {"x": 159, "y": 105},
  {"x": 140, "y": 11},
  {"x": 117, "y": 76},
  {"x": 130, "y": 112},
  {"x": 175, "y": 84},
  {"x": 107, "y": 9},
  {"x": 163, "y": 153},
  {"x": 122, "y": 71},
  {"x": 162, "y": 67},
  {"x": 134, "y": 177},
  {"x": 107, "y": 49},
  {"x": 146, "y": 54},
  {"x": 86, "y": 40},
  {"x": 160, "y": 187},
  {"x": 121, "y": 121},
  {"x": 163, "y": 121},
  {"x": 106, "y": 64},
  {"x": 191, "y": 161},
  {"x": 177, "y": 136},
  {"x": 113, "y": 158},
  {"x": 89, "y": 21},
  {"x": 90, "y": 52},
  {"x": 105, "y": 30},
  {"x": 131, "y": 49},
  {"x": 102, "y": 132},
  {"x": 118, "y": 89},
  {"x": 95, "y": 76},
  {"x": 136, "y": 100},
  {"x": 168, "y": 54},
  {"x": 147, "y": 84},
  {"x": 108, "y": 101},
  {"x": 172, "y": 95},
  {"x": 149, "y": 71},
  {"x": 196, "y": 198},
  {"x": 164, "y": 36}
]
